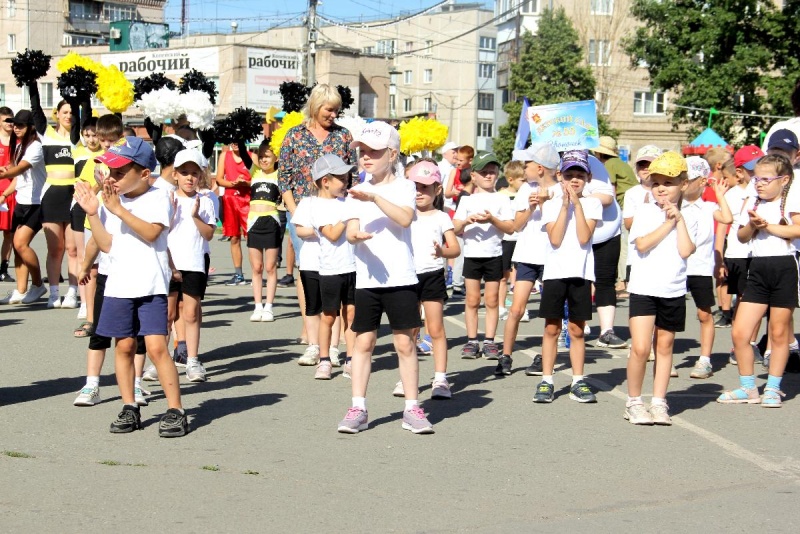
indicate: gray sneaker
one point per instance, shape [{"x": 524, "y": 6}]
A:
[
  {"x": 701, "y": 370},
  {"x": 581, "y": 392},
  {"x": 611, "y": 340},
  {"x": 195, "y": 372},
  {"x": 490, "y": 350},
  {"x": 441, "y": 390},
  {"x": 471, "y": 351},
  {"x": 354, "y": 421},
  {"x": 544, "y": 393},
  {"x": 414, "y": 420}
]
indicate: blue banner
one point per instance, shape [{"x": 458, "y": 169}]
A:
[{"x": 567, "y": 126}]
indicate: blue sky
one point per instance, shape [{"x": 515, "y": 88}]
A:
[{"x": 207, "y": 16}]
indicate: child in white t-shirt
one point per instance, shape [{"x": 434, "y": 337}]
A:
[
  {"x": 337, "y": 263},
  {"x": 664, "y": 239},
  {"x": 130, "y": 228},
  {"x": 381, "y": 210},
  {"x": 193, "y": 225},
  {"x": 483, "y": 218},
  {"x": 568, "y": 274}
]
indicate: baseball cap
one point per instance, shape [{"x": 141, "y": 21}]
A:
[
  {"x": 782, "y": 139},
  {"x": 129, "y": 150},
  {"x": 647, "y": 153},
  {"x": 669, "y": 164},
  {"x": 544, "y": 154},
  {"x": 426, "y": 173},
  {"x": 23, "y": 116},
  {"x": 575, "y": 158},
  {"x": 330, "y": 164},
  {"x": 748, "y": 156},
  {"x": 190, "y": 155},
  {"x": 378, "y": 135},
  {"x": 482, "y": 159},
  {"x": 449, "y": 146},
  {"x": 698, "y": 167}
]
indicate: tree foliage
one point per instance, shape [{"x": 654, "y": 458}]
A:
[
  {"x": 733, "y": 55},
  {"x": 551, "y": 68}
]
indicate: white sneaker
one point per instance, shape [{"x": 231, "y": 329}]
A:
[
  {"x": 267, "y": 316},
  {"x": 34, "y": 293},
  {"x": 310, "y": 356},
  {"x": 138, "y": 397},
  {"x": 525, "y": 317},
  {"x": 398, "y": 389},
  {"x": 195, "y": 372},
  {"x": 54, "y": 301},
  {"x": 334, "y": 353},
  {"x": 70, "y": 301},
  {"x": 587, "y": 330},
  {"x": 13, "y": 297},
  {"x": 150, "y": 374},
  {"x": 88, "y": 396},
  {"x": 503, "y": 313},
  {"x": 82, "y": 311},
  {"x": 257, "y": 311}
]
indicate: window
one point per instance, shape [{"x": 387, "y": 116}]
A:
[
  {"x": 394, "y": 77},
  {"x": 368, "y": 50},
  {"x": 529, "y": 6},
  {"x": 427, "y": 104},
  {"x": 392, "y": 105},
  {"x": 487, "y": 43},
  {"x": 12, "y": 42},
  {"x": 46, "y": 94},
  {"x": 385, "y": 46},
  {"x": 485, "y": 129},
  {"x": 649, "y": 103},
  {"x": 428, "y": 48},
  {"x": 602, "y": 7},
  {"x": 71, "y": 39},
  {"x": 408, "y": 77},
  {"x": 115, "y": 12},
  {"x": 603, "y": 102},
  {"x": 2, "y": 94},
  {"x": 409, "y": 46},
  {"x": 486, "y": 101},
  {"x": 11, "y": 8},
  {"x": 427, "y": 76},
  {"x": 407, "y": 105},
  {"x": 486, "y": 70},
  {"x": 599, "y": 53}
]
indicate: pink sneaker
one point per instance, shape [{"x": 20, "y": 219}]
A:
[
  {"x": 323, "y": 371},
  {"x": 354, "y": 422},
  {"x": 414, "y": 420}
]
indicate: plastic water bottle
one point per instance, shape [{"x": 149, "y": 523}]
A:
[{"x": 565, "y": 326}]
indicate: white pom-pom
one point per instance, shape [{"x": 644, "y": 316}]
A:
[
  {"x": 355, "y": 125},
  {"x": 198, "y": 109},
  {"x": 161, "y": 104}
]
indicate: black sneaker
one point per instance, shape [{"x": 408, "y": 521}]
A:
[
  {"x": 544, "y": 393},
  {"x": 723, "y": 321},
  {"x": 173, "y": 425},
  {"x": 5, "y": 277},
  {"x": 128, "y": 420},
  {"x": 458, "y": 290},
  {"x": 504, "y": 365},
  {"x": 224, "y": 238},
  {"x": 286, "y": 281},
  {"x": 490, "y": 350},
  {"x": 236, "y": 280},
  {"x": 580, "y": 392},
  {"x": 611, "y": 340},
  {"x": 470, "y": 351},
  {"x": 180, "y": 358},
  {"x": 535, "y": 368}
]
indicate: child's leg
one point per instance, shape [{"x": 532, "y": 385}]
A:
[
  {"x": 190, "y": 317},
  {"x": 26, "y": 259},
  {"x": 471, "y": 303},
  {"x": 138, "y": 364},
  {"x": 552, "y": 329},
  {"x": 71, "y": 239},
  {"x": 257, "y": 266},
  {"x": 306, "y": 332},
  {"x": 348, "y": 312},
  {"x": 123, "y": 367},
  {"x": 504, "y": 283},
  {"x": 361, "y": 362},
  {"x": 5, "y": 250},
  {"x": 748, "y": 318},
  {"x": 167, "y": 372},
  {"x": 641, "y": 327},
  {"x": 336, "y": 331},
  {"x": 522, "y": 292},
  {"x": 434, "y": 312},
  {"x": 406, "y": 348},
  {"x": 706, "y": 330},
  {"x": 780, "y": 335},
  {"x": 491, "y": 293},
  {"x": 289, "y": 257},
  {"x": 271, "y": 266},
  {"x": 89, "y": 291},
  {"x": 577, "y": 347},
  {"x": 664, "y": 340},
  {"x": 172, "y": 309},
  {"x": 327, "y": 320}
]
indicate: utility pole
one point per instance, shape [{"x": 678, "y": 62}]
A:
[{"x": 311, "y": 46}]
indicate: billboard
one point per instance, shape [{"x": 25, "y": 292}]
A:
[
  {"x": 266, "y": 71},
  {"x": 175, "y": 61},
  {"x": 137, "y": 35},
  {"x": 567, "y": 126}
]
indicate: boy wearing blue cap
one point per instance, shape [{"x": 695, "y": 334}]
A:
[{"x": 134, "y": 217}]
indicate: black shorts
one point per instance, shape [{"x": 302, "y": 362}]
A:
[
  {"x": 265, "y": 233},
  {"x": 508, "y": 252},
  {"x": 337, "y": 290},
  {"x": 576, "y": 291},
  {"x": 29, "y": 215},
  {"x": 486, "y": 269},
  {"x": 310, "y": 280},
  {"x": 670, "y": 313},
  {"x": 737, "y": 274},
  {"x": 193, "y": 283},
  {"x": 77, "y": 218},
  {"x": 101, "y": 342},
  {"x": 431, "y": 286},
  {"x": 772, "y": 280},
  {"x": 399, "y": 303},
  {"x": 529, "y": 272},
  {"x": 702, "y": 290},
  {"x": 606, "y": 259},
  {"x": 56, "y": 204}
]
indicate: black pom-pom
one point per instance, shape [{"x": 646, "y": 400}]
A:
[
  {"x": 294, "y": 95},
  {"x": 197, "y": 81},
  {"x": 29, "y": 66},
  {"x": 155, "y": 81},
  {"x": 347, "y": 98},
  {"x": 243, "y": 124},
  {"x": 77, "y": 83}
]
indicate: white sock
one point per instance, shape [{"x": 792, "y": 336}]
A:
[
  {"x": 192, "y": 360},
  {"x": 440, "y": 377},
  {"x": 658, "y": 400},
  {"x": 137, "y": 382},
  {"x": 72, "y": 290},
  {"x": 634, "y": 400},
  {"x": 548, "y": 379},
  {"x": 705, "y": 359},
  {"x": 794, "y": 345},
  {"x": 93, "y": 381},
  {"x": 258, "y": 307},
  {"x": 53, "y": 291},
  {"x": 360, "y": 402},
  {"x": 268, "y": 306},
  {"x": 576, "y": 379},
  {"x": 411, "y": 403}
]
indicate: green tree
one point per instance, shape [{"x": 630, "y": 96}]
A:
[
  {"x": 725, "y": 54},
  {"x": 551, "y": 68}
]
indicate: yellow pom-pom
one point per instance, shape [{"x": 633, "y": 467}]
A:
[
  {"x": 290, "y": 120},
  {"x": 418, "y": 134},
  {"x": 76, "y": 60},
  {"x": 114, "y": 90}
]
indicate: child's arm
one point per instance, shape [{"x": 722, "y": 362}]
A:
[
  {"x": 90, "y": 256},
  {"x": 450, "y": 191},
  {"x": 557, "y": 229},
  {"x": 354, "y": 233},
  {"x": 507, "y": 227},
  {"x": 647, "y": 242},
  {"x": 333, "y": 232},
  {"x": 685, "y": 244},
  {"x": 401, "y": 215},
  {"x": 14, "y": 171},
  {"x": 206, "y": 230},
  {"x": 452, "y": 250},
  {"x": 88, "y": 201},
  {"x": 304, "y": 232},
  {"x": 584, "y": 227},
  {"x": 790, "y": 231},
  {"x": 756, "y": 223},
  {"x": 146, "y": 230},
  {"x": 720, "y": 271},
  {"x": 459, "y": 225},
  {"x": 723, "y": 214}
]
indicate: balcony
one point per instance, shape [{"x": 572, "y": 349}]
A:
[{"x": 87, "y": 25}]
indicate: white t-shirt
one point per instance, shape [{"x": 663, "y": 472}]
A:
[
  {"x": 701, "y": 263},
  {"x": 186, "y": 245},
  {"x": 571, "y": 259},
  {"x": 634, "y": 197},
  {"x": 385, "y": 260},
  {"x": 764, "y": 244},
  {"x": 161, "y": 183},
  {"x": 532, "y": 242},
  {"x": 513, "y": 236},
  {"x": 215, "y": 202},
  {"x": 484, "y": 240},
  {"x": 308, "y": 259},
  {"x": 444, "y": 169},
  {"x": 426, "y": 229},
  {"x": 138, "y": 268},
  {"x": 335, "y": 257},
  {"x": 660, "y": 272},
  {"x": 793, "y": 198},
  {"x": 612, "y": 214},
  {"x": 737, "y": 197},
  {"x": 30, "y": 184}
]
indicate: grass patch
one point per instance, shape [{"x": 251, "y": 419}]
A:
[
  {"x": 109, "y": 462},
  {"x": 249, "y": 472},
  {"x": 15, "y": 454},
  {"x": 210, "y": 468}
]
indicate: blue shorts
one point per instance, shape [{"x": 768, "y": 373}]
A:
[{"x": 141, "y": 316}]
